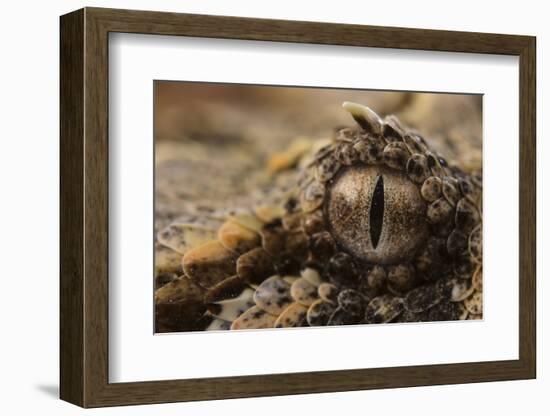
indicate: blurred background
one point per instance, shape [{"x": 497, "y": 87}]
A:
[{"x": 215, "y": 143}]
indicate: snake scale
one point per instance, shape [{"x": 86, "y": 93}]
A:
[{"x": 376, "y": 228}]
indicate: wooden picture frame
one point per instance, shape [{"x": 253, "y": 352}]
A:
[{"x": 84, "y": 207}]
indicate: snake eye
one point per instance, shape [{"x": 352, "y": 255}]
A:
[{"x": 376, "y": 213}]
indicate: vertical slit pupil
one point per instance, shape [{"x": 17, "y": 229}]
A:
[{"x": 376, "y": 214}]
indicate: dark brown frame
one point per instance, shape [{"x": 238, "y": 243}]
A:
[{"x": 84, "y": 209}]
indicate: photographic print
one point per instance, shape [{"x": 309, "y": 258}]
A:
[
  {"x": 281, "y": 207},
  {"x": 323, "y": 185}
]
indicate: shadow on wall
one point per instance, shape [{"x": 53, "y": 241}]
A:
[{"x": 51, "y": 390}]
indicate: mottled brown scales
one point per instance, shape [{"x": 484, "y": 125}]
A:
[
  {"x": 227, "y": 289},
  {"x": 477, "y": 279},
  {"x": 467, "y": 216},
  {"x": 431, "y": 189},
  {"x": 255, "y": 266},
  {"x": 377, "y": 228},
  {"x": 214, "y": 309},
  {"x": 464, "y": 267},
  {"x": 328, "y": 292},
  {"x": 461, "y": 289},
  {"x": 439, "y": 211},
  {"x": 422, "y": 298},
  {"x": 474, "y": 304},
  {"x": 401, "y": 278},
  {"x": 383, "y": 309},
  {"x": 303, "y": 291},
  {"x": 376, "y": 277},
  {"x": 396, "y": 155},
  {"x": 450, "y": 190},
  {"x": 258, "y": 314},
  {"x": 446, "y": 311},
  {"x": 284, "y": 301},
  {"x": 417, "y": 168}
]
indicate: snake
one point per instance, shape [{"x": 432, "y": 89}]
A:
[{"x": 376, "y": 228}]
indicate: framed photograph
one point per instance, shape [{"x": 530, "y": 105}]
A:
[{"x": 257, "y": 207}]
